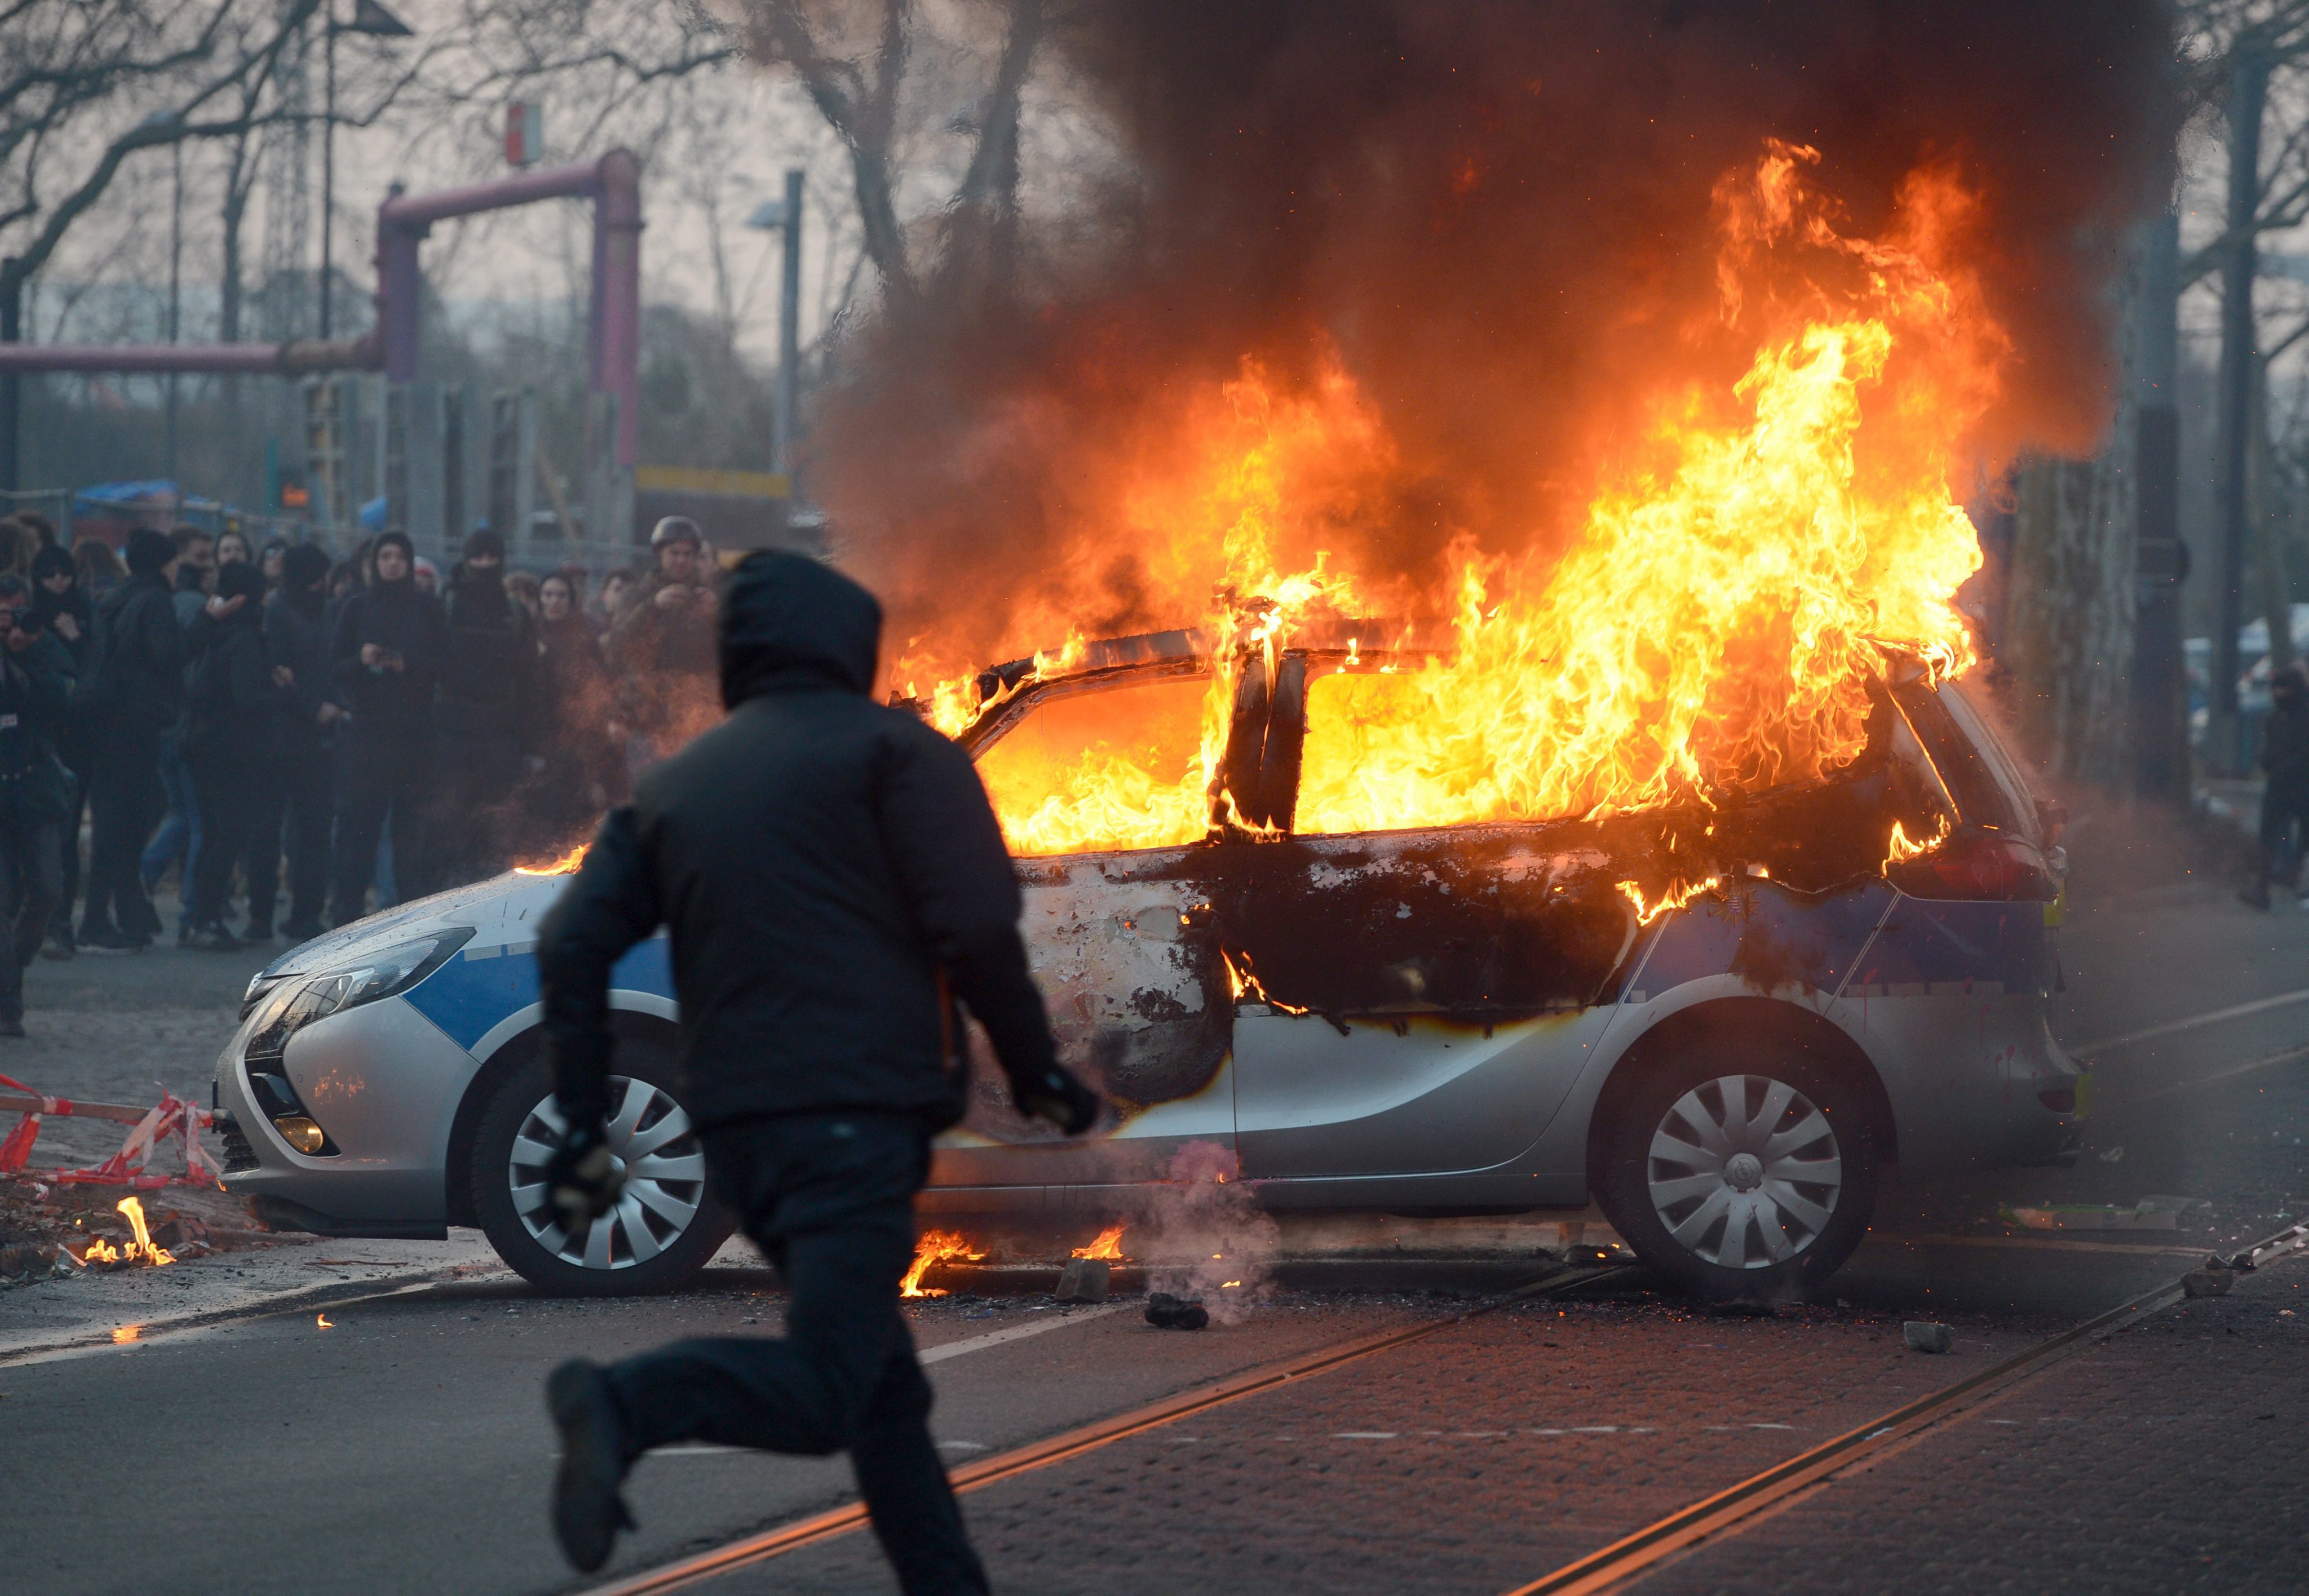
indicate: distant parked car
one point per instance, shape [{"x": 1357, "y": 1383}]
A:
[{"x": 1488, "y": 1018}]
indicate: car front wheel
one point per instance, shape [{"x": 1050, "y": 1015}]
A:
[
  {"x": 664, "y": 1229},
  {"x": 1745, "y": 1172}
]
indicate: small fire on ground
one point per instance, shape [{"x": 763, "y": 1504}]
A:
[
  {"x": 1109, "y": 1245},
  {"x": 139, "y": 1250},
  {"x": 936, "y": 1247}
]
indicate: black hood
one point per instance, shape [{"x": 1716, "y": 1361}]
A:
[{"x": 790, "y": 622}]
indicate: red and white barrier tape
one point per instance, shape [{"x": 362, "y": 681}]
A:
[{"x": 171, "y": 1117}]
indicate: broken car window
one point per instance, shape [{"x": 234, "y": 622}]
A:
[{"x": 1117, "y": 766}]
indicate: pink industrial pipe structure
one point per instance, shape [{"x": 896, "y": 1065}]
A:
[{"x": 613, "y": 183}]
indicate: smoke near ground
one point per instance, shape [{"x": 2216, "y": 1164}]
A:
[
  {"x": 1478, "y": 238},
  {"x": 1205, "y": 1236}
]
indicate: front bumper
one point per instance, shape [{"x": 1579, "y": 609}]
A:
[{"x": 385, "y": 1083}]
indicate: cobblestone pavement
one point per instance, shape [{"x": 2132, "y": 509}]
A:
[
  {"x": 2169, "y": 1458},
  {"x": 1469, "y": 1461}
]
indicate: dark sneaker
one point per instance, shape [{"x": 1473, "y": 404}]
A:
[
  {"x": 587, "y": 1511},
  {"x": 110, "y": 942},
  {"x": 14, "y": 1027},
  {"x": 302, "y": 931},
  {"x": 59, "y": 946},
  {"x": 210, "y": 939},
  {"x": 257, "y": 933}
]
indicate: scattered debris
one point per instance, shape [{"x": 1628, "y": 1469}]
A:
[
  {"x": 1166, "y": 1312},
  {"x": 1923, "y": 1336},
  {"x": 1084, "y": 1280},
  {"x": 2114, "y": 1155},
  {"x": 2214, "y": 1280},
  {"x": 2149, "y": 1213}
]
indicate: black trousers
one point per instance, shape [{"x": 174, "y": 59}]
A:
[
  {"x": 377, "y": 776},
  {"x": 229, "y": 783},
  {"x": 830, "y": 1198},
  {"x": 2284, "y": 803},
  {"x": 60, "y": 923},
  {"x": 472, "y": 810},
  {"x": 32, "y": 881},
  {"x": 125, "y": 803},
  {"x": 294, "y": 812}
]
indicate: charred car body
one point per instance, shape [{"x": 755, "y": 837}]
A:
[{"x": 1724, "y": 1022}]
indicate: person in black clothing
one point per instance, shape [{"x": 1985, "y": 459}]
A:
[
  {"x": 830, "y": 869},
  {"x": 62, "y": 610},
  {"x": 296, "y": 790},
  {"x": 135, "y": 699},
  {"x": 2285, "y": 800},
  {"x": 385, "y": 658},
  {"x": 36, "y": 681},
  {"x": 489, "y": 669},
  {"x": 230, "y": 699}
]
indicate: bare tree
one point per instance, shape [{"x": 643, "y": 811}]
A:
[{"x": 865, "y": 72}]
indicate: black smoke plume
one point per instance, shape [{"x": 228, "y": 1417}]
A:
[{"x": 1498, "y": 215}]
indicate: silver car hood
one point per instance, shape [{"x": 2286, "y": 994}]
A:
[{"x": 484, "y": 904}]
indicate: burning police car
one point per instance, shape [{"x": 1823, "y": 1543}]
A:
[{"x": 1724, "y": 1020}]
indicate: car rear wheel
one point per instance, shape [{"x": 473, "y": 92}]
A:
[
  {"x": 1746, "y": 1172},
  {"x": 664, "y": 1229}
]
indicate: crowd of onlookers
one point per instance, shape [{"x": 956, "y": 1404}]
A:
[{"x": 217, "y": 708}]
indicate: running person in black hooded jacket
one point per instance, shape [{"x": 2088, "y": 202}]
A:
[
  {"x": 384, "y": 657},
  {"x": 827, "y": 866}
]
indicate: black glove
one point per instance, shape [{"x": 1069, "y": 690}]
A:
[
  {"x": 583, "y": 1180},
  {"x": 1055, "y": 1095}
]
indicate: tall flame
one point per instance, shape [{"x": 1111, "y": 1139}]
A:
[{"x": 1709, "y": 629}]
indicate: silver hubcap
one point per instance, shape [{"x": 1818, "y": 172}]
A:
[
  {"x": 652, "y": 1140},
  {"x": 1744, "y": 1171}
]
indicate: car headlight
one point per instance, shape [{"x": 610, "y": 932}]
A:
[{"x": 294, "y": 1004}]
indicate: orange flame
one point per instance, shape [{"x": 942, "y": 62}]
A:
[
  {"x": 1108, "y": 1244},
  {"x": 1242, "y": 981},
  {"x": 1709, "y": 631},
  {"x": 100, "y": 1251},
  {"x": 125, "y": 1333},
  {"x": 1678, "y": 894},
  {"x": 142, "y": 1247},
  {"x": 566, "y": 865},
  {"x": 934, "y": 1247},
  {"x": 322, "y": 1320},
  {"x": 1902, "y": 848}
]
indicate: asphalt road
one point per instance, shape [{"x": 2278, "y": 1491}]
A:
[{"x": 404, "y": 1447}]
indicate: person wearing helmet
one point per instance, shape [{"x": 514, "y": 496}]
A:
[{"x": 662, "y": 645}]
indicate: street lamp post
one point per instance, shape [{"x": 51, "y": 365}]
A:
[
  {"x": 785, "y": 216},
  {"x": 373, "y": 19}
]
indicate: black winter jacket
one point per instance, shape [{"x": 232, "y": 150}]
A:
[
  {"x": 143, "y": 655},
  {"x": 35, "y": 689},
  {"x": 820, "y": 858},
  {"x": 388, "y": 707},
  {"x": 230, "y": 700},
  {"x": 489, "y": 663},
  {"x": 293, "y": 637}
]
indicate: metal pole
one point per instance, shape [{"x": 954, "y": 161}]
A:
[
  {"x": 2248, "y": 92},
  {"x": 789, "y": 331},
  {"x": 11, "y": 305},
  {"x": 328, "y": 155},
  {"x": 2160, "y": 733},
  {"x": 175, "y": 263}
]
